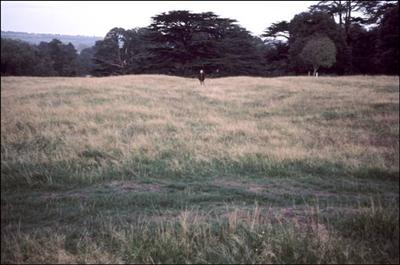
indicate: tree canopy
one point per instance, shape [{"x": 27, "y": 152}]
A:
[
  {"x": 46, "y": 59},
  {"x": 184, "y": 42},
  {"x": 364, "y": 34},
  {"x": 319, "y": 52}
]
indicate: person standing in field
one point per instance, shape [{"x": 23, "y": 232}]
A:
[{"x": 202, "y": 76}]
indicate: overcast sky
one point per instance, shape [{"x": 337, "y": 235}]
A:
[{"x": 97, "y": 18}]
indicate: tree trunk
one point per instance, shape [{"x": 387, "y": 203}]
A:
[
  {"x": 315, "y": 71},
  {"x": 340, "y": 13},
  {"x": 347, "y": 20}
]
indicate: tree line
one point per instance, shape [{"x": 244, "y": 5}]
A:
[{"x": 336, "y": 37}]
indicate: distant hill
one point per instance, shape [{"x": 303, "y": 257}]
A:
[{"x": 79, "y": 42}]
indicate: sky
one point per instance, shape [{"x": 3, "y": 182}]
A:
[{"x": 96, "y": 18}]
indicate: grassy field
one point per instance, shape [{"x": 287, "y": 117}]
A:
[{"x": 156, "y": 169}]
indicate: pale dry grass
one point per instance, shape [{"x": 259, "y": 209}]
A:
[
  {"x": 161, "y": 154},
  {"x": 278, "y": 118}
]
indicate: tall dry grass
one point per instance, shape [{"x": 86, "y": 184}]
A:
[
  {"x": 256, "y": 235},
  {"x": 351, "y": 121},
  {"x": 158, "y": 169}
]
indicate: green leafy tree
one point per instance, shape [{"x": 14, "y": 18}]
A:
[
  {"x": 363, "y": 44},
  {"x": 308, "y": 25},
  {"x": 137, "y": 55},
  {"x": 123, "y": 52},
  {"x": 62, "y": 57},
  {"x": 374, "y": 11},
  {"x": 354, "y": 11},
  {"x": 344, "y": 10},
  {"x": 277, "y": 30},
  {"x": 388, "y": 42},
  {"x": 239, "y": 53},
  {"x": 350, "y": 12},
  {"x": 319, "y": 52},
  {"x": 86, "y": 64},
  {"x": 276, "y": 53},
  {"x": 183, "y": 42},
  {"x": 17, "y": 57},
  {"x": 363, "y": 49},
  {"x": 276, "y": 57},
  {"x": 21, "y": 58},
  {"x": 110, "y": 54}
]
